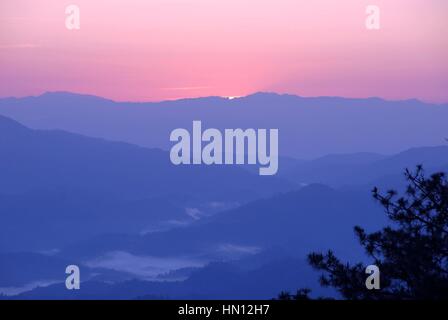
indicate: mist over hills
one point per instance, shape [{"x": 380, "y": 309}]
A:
[
  {"x": 222, "y": 280},
  {"x": 309, "y": 127},
  {"x": 315, "y": 217}
]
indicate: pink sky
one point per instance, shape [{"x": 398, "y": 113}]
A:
[{"x": 168, "y": 49}]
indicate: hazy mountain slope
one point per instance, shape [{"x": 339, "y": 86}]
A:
[
  {"x": 51, "y": 159},
  {"x": 362, "y": 169},
  {"x": 315, "y": 216},
  {"x": 73, "y": 186}
]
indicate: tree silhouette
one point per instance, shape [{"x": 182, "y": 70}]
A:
[
  {"x": 301, "y": 294},
  {"x": 411, "y": 253}
]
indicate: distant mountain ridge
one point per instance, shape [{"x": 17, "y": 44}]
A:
[{"x": 308, "y": 127}]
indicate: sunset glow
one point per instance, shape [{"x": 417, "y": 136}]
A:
[{"x": 168, "y": 49}]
